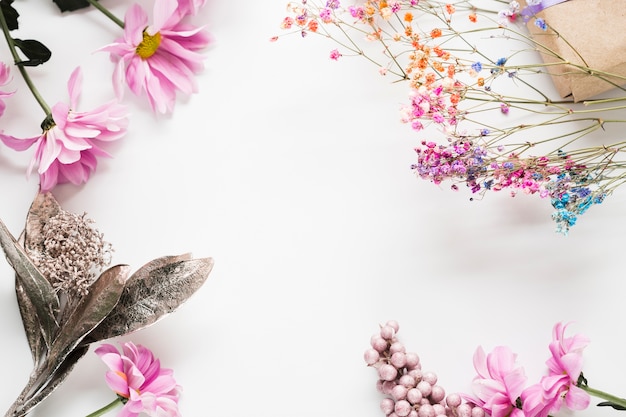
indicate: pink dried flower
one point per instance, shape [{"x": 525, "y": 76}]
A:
[
  {"x": 499, "y": 382},
  {"x": 137, "y": 376},
  {"x": 71, "y": 141},
  {"x": 565, "y": 366},
  {"x": 161, "y": 58},
  {"x": 335, "y": 54}
]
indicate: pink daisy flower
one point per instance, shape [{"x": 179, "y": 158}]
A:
[
  {"x": 137, "y": 376},
  {"x": 161, "y": 58},
  {"x": 71, "y": 142}
]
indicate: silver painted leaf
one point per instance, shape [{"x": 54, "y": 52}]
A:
[
  {"x": 23, "y": 405},
  {"x": 30, "y": 320},
  {"x": 155, "y": 290},
  {"x": 43, "y": 207},
  {"x": 32, "y": 326},
  {"x": 90, "y": 311},
  {"x": 92, "y": 308},
  {"x": 41, "y": 294}
]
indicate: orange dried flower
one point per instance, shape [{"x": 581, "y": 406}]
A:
[
  {"x": 472, "y": 17},
  {"x": 408, "y": 17},
  {"x": 313, "y": 26},
  {"x": 450, "y": 8},
  {"x": 435, "y": 33},
  {"x": 437, "y": 65},
  {"x": 481, "y": 81}
]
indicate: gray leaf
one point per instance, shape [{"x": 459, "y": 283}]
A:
[
  {"x": 22, "y": 407},
  {"x": 32, "y": 326},
  {"x": 43, "y": 207},
  {"x": 35, "y": 286},
  {"x": 155, "y": 290},
  {"x": 92, "y": 308}
]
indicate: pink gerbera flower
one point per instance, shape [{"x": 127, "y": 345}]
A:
[
  {"x": 161, "y": 58},
  {"x": 137, "y": 376},
  {"x": 71, "y": 141}
]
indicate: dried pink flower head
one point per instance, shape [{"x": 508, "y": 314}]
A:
[{"x": 71, "y": 253}]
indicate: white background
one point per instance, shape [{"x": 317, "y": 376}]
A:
[{"x": 292, "y": 172}]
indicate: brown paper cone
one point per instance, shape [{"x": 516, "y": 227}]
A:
[{"x": 596, "y": 29}]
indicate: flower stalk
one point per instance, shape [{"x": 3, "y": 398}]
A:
[
  {"x": 107, "y": 408},
  {"x": 18, "y": 61},
  {"x": 612, "y": 399},
  {"x": 483, "y": 121},
  {"x": 107, "y": 13}
]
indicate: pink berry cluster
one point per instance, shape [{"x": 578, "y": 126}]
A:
[{"x": 409, "y": 391}]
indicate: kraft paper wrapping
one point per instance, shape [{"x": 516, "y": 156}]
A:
[{"x": 597, "y": 30}]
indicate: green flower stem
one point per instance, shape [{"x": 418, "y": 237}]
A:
[
  {"x": 107, "y": 13},
  {"x": 110, "y": 406},
  {"x": 17, "y": 60},
  {"x": 603, "y": 395}
]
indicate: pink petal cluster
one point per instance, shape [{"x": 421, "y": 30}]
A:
[
  {"x": 559, "y": 386},
  {"x": 435, "y": 102},
  {"x": 190, "y": 7},
  {"x": 5, "y": 78},
  {"x": 499, "y": 382},
  {"x": 136, "y": 375},
  {"x": 161, "y": 58},
  {"x": 71, "y": 142}
]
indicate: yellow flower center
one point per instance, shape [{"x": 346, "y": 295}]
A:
[{"x": 148, "y": 45}]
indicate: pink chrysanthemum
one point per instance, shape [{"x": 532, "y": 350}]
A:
[
  {"x": 559, "y": 386},
  {"x": 71, "y": 141},
  {"x": 5, "y": 78},
  {"x": 499, "y": 382},
  {"x": 190, "y": 7},
  {"x": 161, "y": 58},
  {"x": 137, "y": 376}
]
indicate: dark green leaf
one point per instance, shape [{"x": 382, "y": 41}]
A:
[
  {"x": 39, "y": 291},
  {"x": 71, "y": 5},
  {"x": 10, "y": 14},
  {"x": 610, "y": 404},
  {"x": 155, "y": 290},
  {"x": 36, "y": 52}
]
